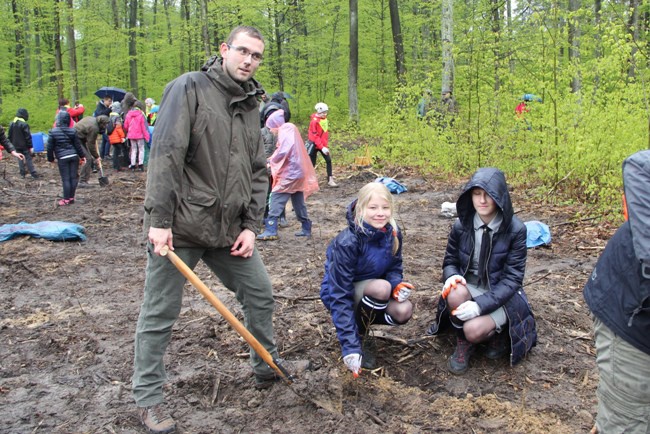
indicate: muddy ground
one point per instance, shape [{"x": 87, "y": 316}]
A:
[{"x": 68, "y": 312}]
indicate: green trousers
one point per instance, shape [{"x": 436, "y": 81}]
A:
[{"x": 163, "y": 294}]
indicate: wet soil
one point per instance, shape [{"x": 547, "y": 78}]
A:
[{"x": 68, "y": 312}]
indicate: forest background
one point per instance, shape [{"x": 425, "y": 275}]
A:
[{"x": 371, "y": 62}]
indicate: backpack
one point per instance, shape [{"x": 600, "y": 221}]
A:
[{"x": 110, "y": 127}]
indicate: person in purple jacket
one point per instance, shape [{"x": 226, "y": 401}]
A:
[{"x": 363, "y": 282}]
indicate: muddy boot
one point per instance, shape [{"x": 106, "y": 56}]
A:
[
  {"x": 270, "y": 230},
  {"x": 458, "y": 363},
  {"x": 497, "y": 346},
  {"x": 369, "y": 349},
  {"x": 331, "y": 183},
  {"x": 293, "y": 367},
  {"x": 156, "y": 419},
  {"x": 306, "y": 229}
]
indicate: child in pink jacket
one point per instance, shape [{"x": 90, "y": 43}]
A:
[{"x": 135, "y": 125}]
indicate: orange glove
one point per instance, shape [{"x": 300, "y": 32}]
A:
[
  {"x": 402, "y": 291},
  {"x": 452, "y": 282}
]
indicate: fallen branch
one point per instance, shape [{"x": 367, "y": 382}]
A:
[
  {"x": 573, "y": 222},
  {"x": 537, "y": 280}
]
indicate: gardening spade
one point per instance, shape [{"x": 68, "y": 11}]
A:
[
  {"x": 228, "y": 316},
  {"x": 103, "y": 180}
]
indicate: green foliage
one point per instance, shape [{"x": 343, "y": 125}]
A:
[{"x": 568, "y": 148}]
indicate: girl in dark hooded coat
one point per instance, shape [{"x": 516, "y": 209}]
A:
[
  {"x": 63, "y": 145},
  {"x": 483, "y": 269}
]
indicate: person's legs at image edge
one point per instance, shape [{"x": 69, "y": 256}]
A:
[{"x": 623, "y": 387}]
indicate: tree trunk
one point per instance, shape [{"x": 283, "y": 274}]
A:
[
  {"x": 19, "y": 49},
  {"x": 72, "y": 50},
  {"x": 58, "y": 60},
  {"x": 398, "y": 44},
  {"x": 37, "y": 47},
  {"x": 116, "y": 15},
  {"x": 574, "y": 44},
  {"x": 633, "y": 28},
  {"x": 133, "y": 48},
  {"x": 496, "y": 52},
  {"x": 166, "y": 6},
  {"x": 447, "y": 45},
  {"x": 278, "y": 64},
  {"x": 204, "y": 28},
  {"x": 353, "y": 72}
]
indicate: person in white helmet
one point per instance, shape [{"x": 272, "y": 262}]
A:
[{"x": 319, "y": 136}]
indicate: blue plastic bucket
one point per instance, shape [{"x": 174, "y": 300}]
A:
[{"x": 38, "y": 141}]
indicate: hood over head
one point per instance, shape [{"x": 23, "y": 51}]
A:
[
  {"x": 22, "y": 113},
  {"x": 276, "y": 119},
  {"x": 636, "y": 182},
  {"x": 493, "y": 181},
  {"x": 62, "y": 119}
]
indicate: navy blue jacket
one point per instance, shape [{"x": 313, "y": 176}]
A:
[
  {"x": 357, "y": 254},
  {"x": 62, "y": 141},
  {"x": 618, "y": 291},
  {"x": 506, "y": 262}
]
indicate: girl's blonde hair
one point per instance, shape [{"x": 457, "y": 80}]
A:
[{"x": 363, "y": 199}]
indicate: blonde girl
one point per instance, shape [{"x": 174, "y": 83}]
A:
[{"x": 363, "y": 281}]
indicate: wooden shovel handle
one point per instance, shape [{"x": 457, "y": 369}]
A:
[{"x": 223, "y": 310}]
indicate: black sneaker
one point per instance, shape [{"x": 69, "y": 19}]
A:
[
  {"x": 497, "y": 346},
  {"x": 294, "y": 367},
  {"x": 458, "y": 363},
  {"x": 156, "y": 419}
]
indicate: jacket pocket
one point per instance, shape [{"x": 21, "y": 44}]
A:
[
  {"x": 198, "y": 130},
  {"x": 198, "y": 216}
]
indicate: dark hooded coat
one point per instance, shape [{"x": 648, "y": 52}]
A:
[
  {"x": 62, "y": 141},
  {"x": 505, "y": 267},
  {"x": 618, "y": 290},
  {"x": 19, "y": 132}
]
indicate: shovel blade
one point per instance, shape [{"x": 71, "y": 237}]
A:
[{"x": 103, "y": 181}]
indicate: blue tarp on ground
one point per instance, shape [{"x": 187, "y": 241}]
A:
[
  {"x": 393, "y": 186},
  {"x": 538, "y": 234},
  {"x": 49, "y": 230}
]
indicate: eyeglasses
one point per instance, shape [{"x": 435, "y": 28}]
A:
[{"x": 245, "y": 52}]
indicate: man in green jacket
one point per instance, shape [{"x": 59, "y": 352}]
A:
[{"x": 206, "y": 189}]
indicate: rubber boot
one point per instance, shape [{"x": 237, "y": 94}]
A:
[
  {"x": 270, "y": 230},
  {"x": 306, "y": 229},
  {"x": 498, "y": 346}
]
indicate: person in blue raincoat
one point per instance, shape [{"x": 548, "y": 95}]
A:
[
  {"x": 483, "y": 269},
  {"x": 363, "y": 282}
]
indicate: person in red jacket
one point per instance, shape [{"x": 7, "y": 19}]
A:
[
  {"x": 76, "y": 112},
  {"x": 318, "y": 138}
]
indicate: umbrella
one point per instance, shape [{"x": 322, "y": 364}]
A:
[
  {"x": 114, "y": 92},
  {"x": 531, "y": 97}
]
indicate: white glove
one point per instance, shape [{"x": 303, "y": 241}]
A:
[
  {"x": 353, "y": 362},
  {"x": 402, "y": 291},
  {"x": 451, "y": 283},
  {"x": 325, "y": 150},
  {"x": 467, "y": 310}
]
